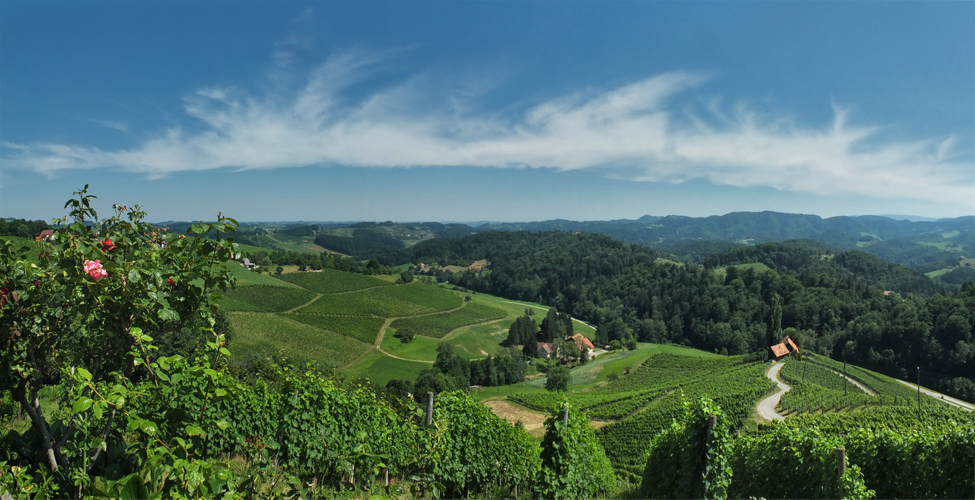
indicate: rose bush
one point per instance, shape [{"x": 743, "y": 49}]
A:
[{"x": 82, "y": 315}]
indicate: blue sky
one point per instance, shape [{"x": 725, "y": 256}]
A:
[{"x": 474, "y": 111}]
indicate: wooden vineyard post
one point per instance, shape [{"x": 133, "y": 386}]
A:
[
  {"x": 919, "y": 389},
  {"x": 429, "y": 409},
  {"x": 565, "y": 416},
  {"x": 840, "y": 469},
  {"x": 712, "y": 423}
]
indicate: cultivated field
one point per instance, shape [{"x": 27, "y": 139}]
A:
[{"x": 347, "y": 313}]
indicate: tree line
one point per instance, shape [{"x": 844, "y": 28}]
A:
[{"x": 22, "y": 228}]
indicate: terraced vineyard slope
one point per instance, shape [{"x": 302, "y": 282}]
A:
[{"x": 347, "y": 321}]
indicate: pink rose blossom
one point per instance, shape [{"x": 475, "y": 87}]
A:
[{"x": 94, "y": 268}]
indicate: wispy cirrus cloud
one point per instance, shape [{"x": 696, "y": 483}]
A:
[{"x": 636, "y": 131}]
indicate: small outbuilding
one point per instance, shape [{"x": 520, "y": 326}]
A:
[{"x": 782, "y": 349}]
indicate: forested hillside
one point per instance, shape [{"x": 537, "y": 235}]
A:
[
  {"x": 914, "y": 244},
  {"x": 835, "y": 306}
]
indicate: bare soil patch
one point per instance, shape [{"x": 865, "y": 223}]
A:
[
  {"x": 533, "y": 421},
  {"x": 513, "y": 413}
]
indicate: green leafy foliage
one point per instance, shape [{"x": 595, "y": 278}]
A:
[
  {"x": 469, "y": 449},
  {"x": 574, "y": 465},
  {"x": 558, "y": 378},
  {"x": 690, "y": 459},
  {"x": 79, "y": 313},
  {"x": 792, "y": 463},
  {"x": 336, "y": 434},
  {"x": 735, "y": 390}
]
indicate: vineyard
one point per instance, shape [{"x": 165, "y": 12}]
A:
[
  {"x": 265, "y": 298},
  {"x": 332, "y": 281},
  {"x": 300, "y": 342},
  {"x": 438, "y": 325},
  {"x": 336, "y": 318},
  {"x": 361, "y": 328},
  {"x": 380, "y": 302},
  {"x": 736, "y": 389}
]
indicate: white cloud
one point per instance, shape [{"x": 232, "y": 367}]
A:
[{"x": 636, "y": 131}]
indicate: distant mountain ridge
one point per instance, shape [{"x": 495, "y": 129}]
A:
[
  {"x": 926, "y": 245},
  {"x": 760, "y": 227}
]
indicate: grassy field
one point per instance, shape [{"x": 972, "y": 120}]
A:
[
  {"x": 245, "y": 277},
  {"x": 420, "y": 348},
  {"x": 380, "y": 369}
]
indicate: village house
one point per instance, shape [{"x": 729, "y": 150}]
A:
[
  {"x": 46, "y": 235},
  {"x": 582, "y": 343},
  {"x": 544, "y": 349}
]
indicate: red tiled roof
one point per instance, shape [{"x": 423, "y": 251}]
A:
[
  {"x": 546, "y": 346},
  {"x": 581, "y": 340},
  {"x": 790, "y": 344},
  {"x": 779, "y": 350}
]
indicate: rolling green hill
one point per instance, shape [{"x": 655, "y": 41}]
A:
[{"x": 348, "y": 321}]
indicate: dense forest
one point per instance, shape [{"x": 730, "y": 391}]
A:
[{"x": 849, "y": 306}]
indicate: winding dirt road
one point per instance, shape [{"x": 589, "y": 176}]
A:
[{"x": 766, "y": 407}]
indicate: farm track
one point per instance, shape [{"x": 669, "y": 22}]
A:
[
  {"x": 456, "y": 331},
  {"x": 293, "y": 309},
  {"x": 854, "y": 382},
  {"x": 941, "y": 397},
  {"x": 766, "y": 407},
  {"x": 451, "y": 334},
  {"x": 357, "y": 290}
]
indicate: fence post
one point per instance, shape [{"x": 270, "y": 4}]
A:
[
  {"x": 429, "y": 409},
  {"x": 565, "y": 416},
  {"x": 386, "y": 476}
]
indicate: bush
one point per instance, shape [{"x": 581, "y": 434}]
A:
[{"x": 557, "y": 379}]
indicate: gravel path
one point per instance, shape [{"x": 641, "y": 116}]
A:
[
  {"x": 947, "y": 399},
  {"x": 766, "y": 408}
]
